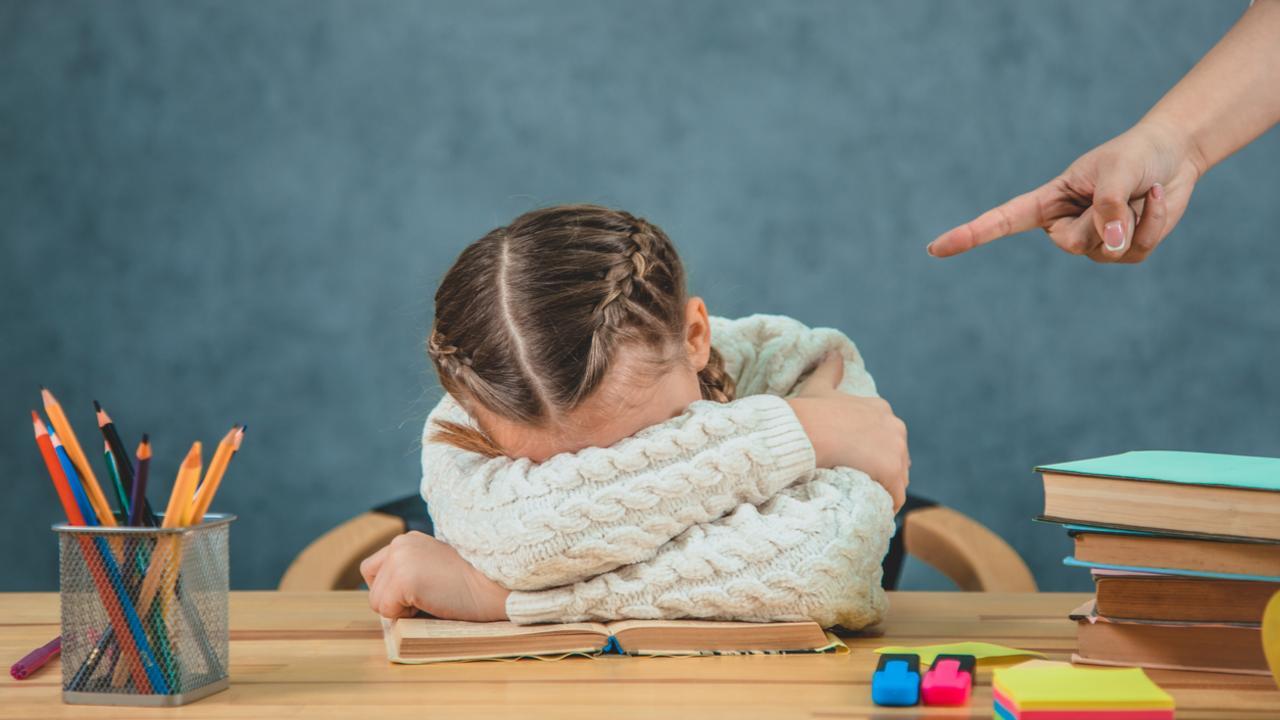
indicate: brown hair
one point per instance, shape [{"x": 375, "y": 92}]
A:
[{"x": 530, "y": 316}]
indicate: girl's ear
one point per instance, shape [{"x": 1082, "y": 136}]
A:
[{"x": 697, "y": 333}]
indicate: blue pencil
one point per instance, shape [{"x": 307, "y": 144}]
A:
[{"x": 73, "y": 480}]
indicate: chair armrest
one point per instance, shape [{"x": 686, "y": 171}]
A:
[
  {"x": 964, "y": 550},
  {"x": 332, "y": 561}
]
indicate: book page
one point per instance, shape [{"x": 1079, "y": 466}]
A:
[
  {"x": 428, "y": 628},
  {"x": 638, "y": 636}
]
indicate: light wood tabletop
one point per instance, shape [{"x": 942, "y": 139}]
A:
[{"x": 320, "y": 655}]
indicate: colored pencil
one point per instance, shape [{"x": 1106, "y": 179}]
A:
[
  {"x": 124, "y": 619},
  {"x": 118, "y": 582},
  {"x": 139, "y": 512},
  {"x": 193, "y": 618},
  {"x": 138, "y": 505},
  {"x": 213, "y": 478},
  {"x": 141, "y": 508},
  {"x": 87, "y": 515},
  {"x": 90, "y": 664},
  {"x": 71, "y": 507},
  {"x": 182, "y": 506},
  {"x": 113, "y": 471},
  {"x": 82, "y": 498},
  {"x": 164, "y": 563},
  {"x": 83, "y": 470},
  {"x": 65, "y": 496},
  {"x": 111, "y": 434},
  {"x": 184, "y": 487}
]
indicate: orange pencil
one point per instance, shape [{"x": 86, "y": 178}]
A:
[
  {"x": 213, "y": 478},
  {"x": 72, "y": 445}
]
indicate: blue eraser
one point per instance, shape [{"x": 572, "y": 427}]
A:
[{"x": 896, "y": 681}]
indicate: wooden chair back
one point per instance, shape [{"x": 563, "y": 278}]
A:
[{"x": 961, "y": 548}]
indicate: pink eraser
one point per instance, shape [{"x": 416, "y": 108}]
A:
[{"x": 949, "y": 680}]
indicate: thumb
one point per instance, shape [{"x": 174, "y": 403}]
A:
[{"x": 1112, "y": 217}]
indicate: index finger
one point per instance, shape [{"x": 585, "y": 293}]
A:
[
  {"x": 370, "y": 566},
  {"x": 1020, "y": 214}
]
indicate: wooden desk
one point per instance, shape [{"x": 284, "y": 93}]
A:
[{"x": 320, "y": 655}]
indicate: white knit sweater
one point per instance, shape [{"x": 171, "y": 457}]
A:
[{"x": 718, "y": 513}]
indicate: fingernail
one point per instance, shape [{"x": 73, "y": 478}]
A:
[
  {"x": 929, "y": 249},
  {"x": 1157, "y": 191},
  {"x": 1113, "y": 235}
]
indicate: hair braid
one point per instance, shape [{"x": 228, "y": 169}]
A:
[
  {"x": 630, "y": 272},
  {"x": 449, "y": 359},
  {"x": 714, "y": 381},
  {"x": 448, "y": 356}
]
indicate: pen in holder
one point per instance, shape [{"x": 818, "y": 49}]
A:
[{"x": 144, "y": 612}]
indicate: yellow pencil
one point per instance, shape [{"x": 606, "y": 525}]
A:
[
  {"x": 181, "y": 504},
  {"x": 163, "y": 570},
  {"x": 91, "y": 488},
  {"x": 175, "y": 512},
  {"x": 213, "y": 478}
]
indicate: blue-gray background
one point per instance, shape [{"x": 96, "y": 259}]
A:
[{"x": 237, "y": 212}]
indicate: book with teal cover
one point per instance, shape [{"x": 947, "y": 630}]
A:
[
  {"x": 1185, "y": 468},
  {"x": 1072, "y": 562}
]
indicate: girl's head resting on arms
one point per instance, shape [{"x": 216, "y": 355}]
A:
[{"x": 570, "y": 328}]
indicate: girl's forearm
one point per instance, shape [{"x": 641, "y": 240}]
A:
[
  {"x": 531, "y": 526},
  {"x": 1232, "y": 95},
  {"x": 812, "y": 552}
]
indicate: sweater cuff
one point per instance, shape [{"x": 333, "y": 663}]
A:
[
  {"x": 785, "y": 437},
  {"x": 542, "y": 606}
]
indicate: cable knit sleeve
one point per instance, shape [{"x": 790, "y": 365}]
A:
[
  {"x": 531, "y": 526},
  {"x": 769, "y": 354},
  {"x": 811, "y": 552}
]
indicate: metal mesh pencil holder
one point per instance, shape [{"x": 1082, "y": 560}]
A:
[{"x": 144, "y": 612}]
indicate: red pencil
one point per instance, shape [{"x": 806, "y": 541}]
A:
[
  {"x": 55, "y": 471},
  {"x": 109, "y": 599}
]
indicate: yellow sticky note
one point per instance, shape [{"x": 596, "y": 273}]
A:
[
  {"x": 992, "y": 653},
  {"x": 1271, "y": 635},
  {"x": 1054, "y": 687}
]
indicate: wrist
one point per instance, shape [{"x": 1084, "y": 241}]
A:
[
  {"x": 490, "y": 597},
  {"x": 499, "y": 609},
  {"x": 1170, "y": 135},
  {"x": 810, "y": 418}
]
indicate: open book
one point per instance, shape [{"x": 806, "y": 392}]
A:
[{"x": 425, "y": 640}]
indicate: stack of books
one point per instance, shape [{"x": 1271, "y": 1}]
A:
[{"x": 1184, "y": 549}]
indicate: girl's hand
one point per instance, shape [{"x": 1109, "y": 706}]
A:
[
  {"x": 417, "y": 572},
  {"x": 1114, "y": 204},
  {"x": 852, "y": 431}
]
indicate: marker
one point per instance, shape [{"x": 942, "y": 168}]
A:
[
  {"x": 36, "y": 659},
  {"x": 896, "y": 681},
  {"x": 949, "y": 680}
]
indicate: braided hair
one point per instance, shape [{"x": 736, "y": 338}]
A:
[{"x": 531, "y": 316}]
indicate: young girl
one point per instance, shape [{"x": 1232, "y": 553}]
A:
[{"x": 606, "y": 450}]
